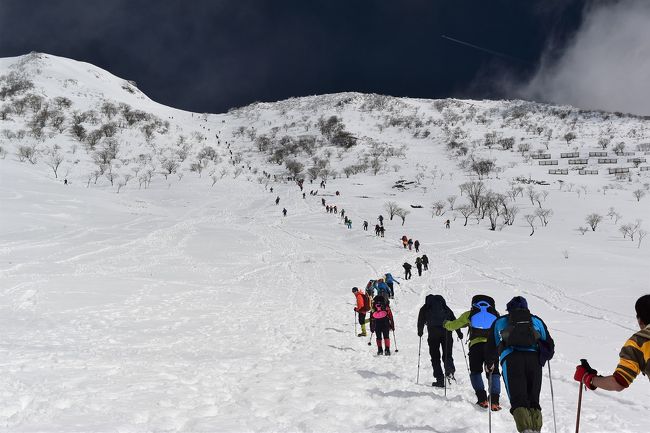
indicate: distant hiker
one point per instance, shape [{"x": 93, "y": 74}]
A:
[
  {"x": 335, "y": 209},
  {"x": 338, "y": 193},
  {"x": 65, "y": 181},
  {"x": 327, "y": 209},
  {"x": 405, "y": 241},
  {"x": 371, "y": 288},
  {"x": 382, "y": 231},
  {"x": 377, "y": 230},
  {"x": 303, "y": 195},
  {"x": 271, "y": 189},
  {"x": 433, "y": 314},
  {"x": 345, "y": 221},
  {"x": 383, "y": 289},
  {"x": 410, "y": 244},
  {"x": 322, "y": 184},
  {"x": 523, "y": 345},
  {"x": 381, "y": 220},
  {"x": 416, "y": 244},
  {"x": 342, "y": 213},
  {"x": 425, "y": 262},
  {"x": 365, "y": 226},
  {"x": 390, "y": 280},
  {"x": 277, "y": 200},
  {"x": 634, "y": 356},
  {"x": 284, "y": 211},
  {"x": 447, "y": 224},
  {"x": 363, "y": 306},
  {"x": 349, "y": 224},
  {"x": 418, "y": 265},
  {"x": 322, "y": 200},
  {"x": 381, "y": 323},
  {"x": 479, "y": 319},
  {"x": 407, "y": 270}
]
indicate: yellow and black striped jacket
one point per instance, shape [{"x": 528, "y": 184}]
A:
[{"x": 635, "y": 358}]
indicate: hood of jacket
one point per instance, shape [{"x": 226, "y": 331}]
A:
[{"x": 435, "y": 301}]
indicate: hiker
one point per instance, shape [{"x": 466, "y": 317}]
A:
[
  {"x": 434, "y": 313},
  {"x": 425, "y": 262},
  {"x": 342, "y": 213},
  {"x": 303, "y": 195},
  {"x": 405, "y": 241},
  {"x": 410, "y": 244},
  {"x": 447, "y": 224},
  {"x": 381, "y": 220},
  {"x": 371, "y": 287},
  {"x": 335, "y": 209},
  {"x": 479, "y": 319},
  {"x": 416, "y": 244},
  {"x": 523, "y": 345},
  {"x": 284, "y": 211},
  {"x": 349, "y": 224},
  {"x": 634, "y": 356},
  {"x": 338, "y": 193},
  {"x": 418, "y": 265},
  {"x": 277, "y": 200},
  {"x": 381, "y": 323},
  {"x": 390, "y": 280},
  {"x": 377, "y": 230},
  {"x": 345, "y": 221},
  {"x": 382, "y": 231},
  {"x": 322, "y": 200},
  {"x": 383, "y": 289},
  {"x": 271, "y": 189},
  {"x": 65, "y": 181},
  {"x": 365, "y": 226},
  {"x": 407, "y": 270},
  {"x": 363, "y": 306}
]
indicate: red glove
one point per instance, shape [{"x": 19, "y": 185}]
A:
[
  {"x": 355, "y": 309},
  {"x": 585, "y": 374}
]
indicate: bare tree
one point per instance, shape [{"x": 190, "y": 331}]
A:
[
  {"x": 402, "y": 213},
  {"x": 54, "y": 160},
  {"x": 642, "y": 234},
  {"x": 510, "y": 213},
  {"x": 638, "y": 194},
  {"x": 543, "y": 215},
  {"x": 583, "y": 230},
  {"x": 451, "y": 200},
  {"x": 530, "y": 219},
  {"x": 593, "y": 220},
  {"x": 474, "y": 190},
  {"x": 630, "y": 229},
  {"x": 438, "y": 208},
  {"x": 392, "y": 208},
  {"x": 532, "y": 195}
]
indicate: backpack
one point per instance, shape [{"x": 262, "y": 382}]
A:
[
  {"x": 366, "y": 302},
  {"x": 380, "y": 308},
  {"x": 481, "y": 318},
  {"x": 370, "y": 288},
  {"x": 520, "y": 330}
]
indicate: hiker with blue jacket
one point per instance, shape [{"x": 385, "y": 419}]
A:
[
  {"x": 479, "y": 319},
  {"x": 523, "y": 345},
  {"x": 390, "y": 280}
]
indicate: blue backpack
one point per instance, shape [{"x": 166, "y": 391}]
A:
[{"x": 482, "y": 316}]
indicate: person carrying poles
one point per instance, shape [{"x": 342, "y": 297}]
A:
[
  {"x": 405, "y": 241},
  {"x": 381, "y": 323},
  {"x": 479, "y": 319},
  {"x": 433, "y": 314},
  {"x": 365, "y": 226},
  {"x": 362, "y": 308},
  {"x": 390, "y": 280},
  {"x": 425, "y": 262},
  {"x": 407, "y": 270},
  {"x": 634, "y": 357},
  {"x": 416, "y": 244},
  {"x": 522, "y": 343},
  {"x": 410, "y": 244},
  {"x": 381, "y": 220},
  {"x": 418, "y": 265}
]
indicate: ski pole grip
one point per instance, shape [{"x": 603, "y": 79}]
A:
[{"x": 586, "y": 366}]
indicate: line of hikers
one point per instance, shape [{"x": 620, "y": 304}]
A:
[
  {"x": 409, "y": 243},
  {"x": 421, "y": 263}
]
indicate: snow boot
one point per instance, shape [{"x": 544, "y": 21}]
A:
[
  {"x": 362, "y": 334},
  {"x": 481, "y": 398},
  {"x": 387, "y": 351},
  {"x": 495, "y": 403},
  {"x": 380, "y": 351},
  {"x": 439, "y": 383}
]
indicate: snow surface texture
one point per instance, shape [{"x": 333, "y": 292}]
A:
[{"x": 187, "y": 307}]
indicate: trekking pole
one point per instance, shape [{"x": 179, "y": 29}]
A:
[
  {"x": 417, "y": 380},
  {"x": 490, "y": 402},
  {"x": 550, "y": 379},
  {"x": 355, "y": 322},
  {"x": 585, "y": 364},
  {"x": 395, "y": 338},
  {"x": 444, "y": 362},
  {"x": 369, "y": 341},
  {"x": 464, "y": 356}
]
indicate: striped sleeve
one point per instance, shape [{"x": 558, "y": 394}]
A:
[{"x": 634, "y": 358}]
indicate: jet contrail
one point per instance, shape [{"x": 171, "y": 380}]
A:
[{"x": 496, "y": 53}]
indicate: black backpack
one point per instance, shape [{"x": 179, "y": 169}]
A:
[{"x": 520, "y": 330}]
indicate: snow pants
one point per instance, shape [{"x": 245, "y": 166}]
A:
[
  {"x": 476, "y": 366},
  {"x": 419, "y": 270},
  {"x": 522, "y": 376},
  {"x": 438, "y": 339}
]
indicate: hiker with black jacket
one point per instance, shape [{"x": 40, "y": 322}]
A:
[
  {"x": 523, "y": 345},
  {"x": 434, "y": 313},
  {"x": 407, "y": 270}
]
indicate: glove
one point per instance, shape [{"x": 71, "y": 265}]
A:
[
  {"x": 356, "y": 309},
  {"x": 585, "y": 374},
  {"x": 392, "y": 327},
  {"x": 460, "y": 335}
]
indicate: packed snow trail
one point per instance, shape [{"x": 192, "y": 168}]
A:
[{"x": 186, "y": 309}]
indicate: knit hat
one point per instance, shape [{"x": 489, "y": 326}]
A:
[
  {"x": 518, "y": 302},
  {"x": 355, "y": 289}
]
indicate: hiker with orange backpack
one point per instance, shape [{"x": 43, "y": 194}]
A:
[{"x": 363, "y": 306}]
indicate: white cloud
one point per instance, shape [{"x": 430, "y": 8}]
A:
[{"x": 605, "y": 66}]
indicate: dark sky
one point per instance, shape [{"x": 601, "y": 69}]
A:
[{"x": 210, "y": 55}]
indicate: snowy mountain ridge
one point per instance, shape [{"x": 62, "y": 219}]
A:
[{"x": 162, "y": 290}]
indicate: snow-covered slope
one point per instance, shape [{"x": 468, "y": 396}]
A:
[{"x": 186, "y": 302}]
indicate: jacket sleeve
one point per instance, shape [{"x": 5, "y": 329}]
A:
[
  {"x": 421, "y": 320},
  {"x": 461, "y": 322}
]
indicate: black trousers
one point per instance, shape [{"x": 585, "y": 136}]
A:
[
  {"x": 407, "y": 274},
  {"x": 522, "y": 375},
  {"x": 419, "y": 271},
  {"x": 441, "y": 340},
  {"x": 362, "y": 318},
  {"x": 477, "y": 359},
  {"x": 382, "y": 329}
]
